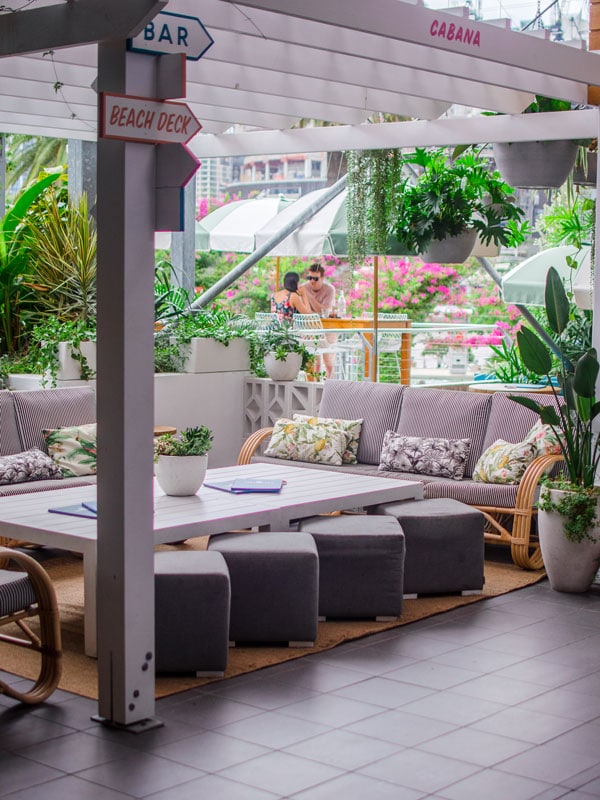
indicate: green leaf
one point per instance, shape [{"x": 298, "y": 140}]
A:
[
  {"x": 534, "y": 353},
  {"x": 549, "y": 415},
  {"x": 527, "y": 402},
  {"x": 586, "y": 375},
  {"x": 557, "y": 302}
]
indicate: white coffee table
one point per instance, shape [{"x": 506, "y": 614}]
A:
[{"x": 210, "y": 511}]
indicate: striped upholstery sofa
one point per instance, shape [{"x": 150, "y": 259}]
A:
[
  {"x": 23, "y": 416},
  {"x": 431, "y": 412}
]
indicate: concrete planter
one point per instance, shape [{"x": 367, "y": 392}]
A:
[
  {"x": 535, "y": 165},
  {"x": 452, "y": 250},
  {"x": 208, "y": 355},
  {"x": 180, "y": 476},
  {"x": 286, "y": 370},
  {"x": 69, "y": 369}
]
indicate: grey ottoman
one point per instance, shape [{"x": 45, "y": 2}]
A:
[
  {"x": 444, "y": 545},
  {"x": 361, "y": 565},
  {"x": 274, "y": 586},
  {"x": 192, "y": 612}
]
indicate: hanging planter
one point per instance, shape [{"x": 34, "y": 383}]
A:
[
  {"x": 584, "y": 174},
  {"x": 536, "y": 165},
  {"x": 452, "y": 249}
]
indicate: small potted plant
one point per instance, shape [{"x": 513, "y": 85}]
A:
[
  {"x": 568, "y": 518},
  {"x": 440, "y": 213},
  {"x": 182, "y": 460},
  {"x": 283, "y": 353}
]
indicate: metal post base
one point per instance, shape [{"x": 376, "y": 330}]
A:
[{"x": 141, "y": 726}]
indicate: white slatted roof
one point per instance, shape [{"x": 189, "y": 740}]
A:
[{"x": 277, "y": 61}]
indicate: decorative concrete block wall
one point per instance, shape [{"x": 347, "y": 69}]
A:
[{"x": 266, "y": 401}]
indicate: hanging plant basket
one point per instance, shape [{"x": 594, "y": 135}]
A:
[
  {"x": 452, "y": 249},
  {"x": 586, "y": 176},
  {"x": 536, "y": 165}
]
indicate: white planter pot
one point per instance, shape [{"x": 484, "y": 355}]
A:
[
  {"x": 571, "y": 566},
  {"x": 452, "y": 249},
  {"x": 180, "y": 476},
  {"x": 69, "y": 368},
  {"x": 208, "y": 355},
  {"x": 535, "y": 165},
  {"x": 285, "y": 370}
]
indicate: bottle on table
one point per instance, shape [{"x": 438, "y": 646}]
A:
[{"x": 341, "y": 305}]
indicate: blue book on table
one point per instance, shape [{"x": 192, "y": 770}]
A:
[{"x": 76, "y": 510}]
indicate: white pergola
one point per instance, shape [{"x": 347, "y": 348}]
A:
[{"x": 273, "y": 63}]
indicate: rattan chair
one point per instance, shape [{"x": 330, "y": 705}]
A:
[{"x": 24, "y": 594}]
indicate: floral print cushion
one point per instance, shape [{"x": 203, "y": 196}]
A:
[
  {"x": 352, "y": 427},
  {"x": 304, "y": 441},
  {"x": 32, "y": 465},
  {"x": 73, "y": 449},
  {"x": 504, "y": 462},
  {"x": 545, "y": 441},
  {"x": 444, "y": 458}
]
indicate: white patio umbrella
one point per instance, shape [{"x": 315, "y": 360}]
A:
[
  {"x": 232, "y": 227},
  {"x": 525, "y": 284}
]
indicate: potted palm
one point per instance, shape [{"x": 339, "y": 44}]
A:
[
  {"x": 440, "y": 212},
  {"x": 568, "y": 517},
  {"x": 182, "y": 460}
]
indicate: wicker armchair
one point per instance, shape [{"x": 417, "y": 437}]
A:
[{"x": 24, "y": 594}]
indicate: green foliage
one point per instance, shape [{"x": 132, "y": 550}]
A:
[
  {"x": 169, "y": 300},
  {"x": 27, "y": 156},
  {"x": 577, "y": 506},
  {"x": 62, "y": 242},
  {"x": 190, "y": 442},
  {"x": 542, "y": 103},
  {"x": 573, "y": 419},
  {"x": 280, "y": 340},
  {"x": 14, "y": 264},
  {"x": 568, "y": 223},
  {"x": 507, "y": 364},
  {"x": 448, "y": 197},
  {"x": 44, "y": 340}
]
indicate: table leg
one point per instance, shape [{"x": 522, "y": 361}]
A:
[{"x": 89, "y": 601}]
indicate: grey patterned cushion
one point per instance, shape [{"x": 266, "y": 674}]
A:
[
  {"x": 444, "y": 458},
  {"x": 32, "y": 465},
  {"x": 448, "y": 414},
  {"x": 378, "y": 404}
]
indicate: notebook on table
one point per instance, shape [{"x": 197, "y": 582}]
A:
[
  {"x": 247, "y": 485},
  {"x": 75, "y": 510}
]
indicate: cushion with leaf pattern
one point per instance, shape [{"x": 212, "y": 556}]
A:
[
  {"x": 304, "y": 441},
  {"x": 444, "y": 458},
  {"x": 352, "y": 427},
  {"x": 31, "y": 465},
  {"x": 504, "y": 462},
  {"x": 544, "y": 439},
  {"x": 73, "y": 449}
]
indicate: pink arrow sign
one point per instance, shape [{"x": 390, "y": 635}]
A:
[{"x": 139, "y": 119}]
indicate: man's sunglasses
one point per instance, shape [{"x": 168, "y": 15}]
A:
[{"x": 314, "y": 277}]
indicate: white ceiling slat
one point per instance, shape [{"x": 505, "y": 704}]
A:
[
  {"x": 228, "y": 17},
  {"x": 451, "y": 131},
  {"x": 396, "y": 20}
]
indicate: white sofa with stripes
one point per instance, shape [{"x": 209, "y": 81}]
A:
[
  {"x": 25, "y": 414},
  {"x": 434, "y": 412}
]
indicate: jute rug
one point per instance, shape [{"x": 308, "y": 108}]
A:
[{"x": 80, "y": 673}]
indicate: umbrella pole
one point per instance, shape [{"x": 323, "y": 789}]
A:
[{"x": 375, "y": 315}]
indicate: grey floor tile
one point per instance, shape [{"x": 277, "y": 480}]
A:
[
  {"x": 383, "y": 692},
  {"x": 358, "y": 787},
  {"x": 590, "y": 684},
  {"x": 460, "y": 633},
  {"x": 477, "y": 659},
  {"x": 548, "y": 762},
  {"x": 401, "y": 728},
  {"x": 415, "y": 769},
  {"x": 20, "y": 728},
  {"x": 331, "y": 710},
  {"x": 530, "y": 726},
  {"x": 519, "y": 644},
  {"x": 21, "y": 773},
  {"x": 207, "y": 711},
  {"x": 583, "y": 739},
  {"x": 561, "y": 631},
  {"x": 264, "y": 694},
  {"x": 343, "y": 749},
  {"x": 419, "y": 645},
  {"x": 281, "y": 773},
  {"x": 453, "y": 708},
  {"x": 75, "y": 752},
  {"x": 274, "y": 729},
  {"x": 475, "y": 747},
  {"x": 493, "y": 785},
  {"x": 374, "y": 660},
  {"x": 139, "y": 774},
  {"x": 210, "y": 751},
  {"x": 499, "y": 689},
  {"x": 432, "y": 675},
  {"x": 562, "y": 703},
  {"x": 536, "y": 670},
  {"x": 70, "y": 787},
  {"x": 320, "y": 676},
  {"x": 213, "y": 787}
]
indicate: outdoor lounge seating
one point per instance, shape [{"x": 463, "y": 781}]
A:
[
  {"x": 361, "y": 565},
  {"x": 23, "y": 595},
  {"x": 481, "y": 418},
  {"x": 274, "y": 586},
  {"x": 444, "y": 545}
]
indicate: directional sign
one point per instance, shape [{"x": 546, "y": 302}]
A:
[
  {"x": 173, "y": 33},
  {"x": 138, "y": 119}
]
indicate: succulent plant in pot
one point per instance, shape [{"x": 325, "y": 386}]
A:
[
  {"x": 283, "y": 353},
  {"x": 568, "y": 518},
  {"x": 181, "y": 460}
]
